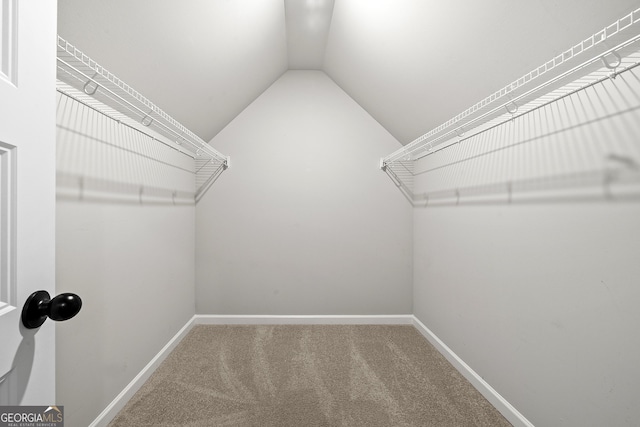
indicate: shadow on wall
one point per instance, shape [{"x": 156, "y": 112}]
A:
[
  {"x": 13, "y": 383},
  {"x": 581, "y": 148},
  {"x": 101, "y": 160}
]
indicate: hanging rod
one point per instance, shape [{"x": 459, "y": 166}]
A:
[
  {"x": 549, "y": 78},
  {"x": 82, "y": 73}
]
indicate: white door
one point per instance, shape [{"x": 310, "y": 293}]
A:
[{"x": 27, "y": 196}]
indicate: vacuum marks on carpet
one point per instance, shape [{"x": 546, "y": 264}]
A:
[{"x": 307, "y": 375}]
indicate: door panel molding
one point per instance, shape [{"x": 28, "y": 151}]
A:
[
  {"x": 8, "y": 187},
  {"x": 9, "y": 40}
]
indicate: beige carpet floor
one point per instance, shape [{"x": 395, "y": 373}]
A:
[{"x": 307, "y": 375}]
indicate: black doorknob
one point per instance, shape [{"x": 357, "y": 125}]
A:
[{"x": 40, "y": 305}]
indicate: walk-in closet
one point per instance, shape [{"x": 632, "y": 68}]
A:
[{"x": 321, "y": 212}]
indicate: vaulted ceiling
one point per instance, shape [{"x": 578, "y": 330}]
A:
[{"x": 412, "y": 64}]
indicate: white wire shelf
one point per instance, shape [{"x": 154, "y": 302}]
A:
[
  {"x": 604, "y": 55},
  {"x": 87, "y": 82}
]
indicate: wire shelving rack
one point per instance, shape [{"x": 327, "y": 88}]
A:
[
  {"x": 82, "y": 79},
  {"x": 603, "y": 55}
]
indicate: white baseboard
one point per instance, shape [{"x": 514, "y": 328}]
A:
[
  {"x": 400, "y": 319},
  {"x": 121, "y": 399},
  {"x": 499, "y": 402}
]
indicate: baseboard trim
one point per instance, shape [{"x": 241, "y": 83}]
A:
[
  {"x": 400, "y": 319},
  {"x": 499, "y": 402},
  {"x": 121, "y": 399}
]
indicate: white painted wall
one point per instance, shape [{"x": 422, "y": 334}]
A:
[
  {"x": 129, "y": 256},
  {"x": 304, "y": 222},
  {"x": 539, "y": 295}
]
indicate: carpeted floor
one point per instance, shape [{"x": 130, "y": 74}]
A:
[{"x": 307, "y": 375}]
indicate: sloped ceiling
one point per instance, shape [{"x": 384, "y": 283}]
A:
[
  {"x": 202, "y": 61},
  {"x": 412, "y": 64}
]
